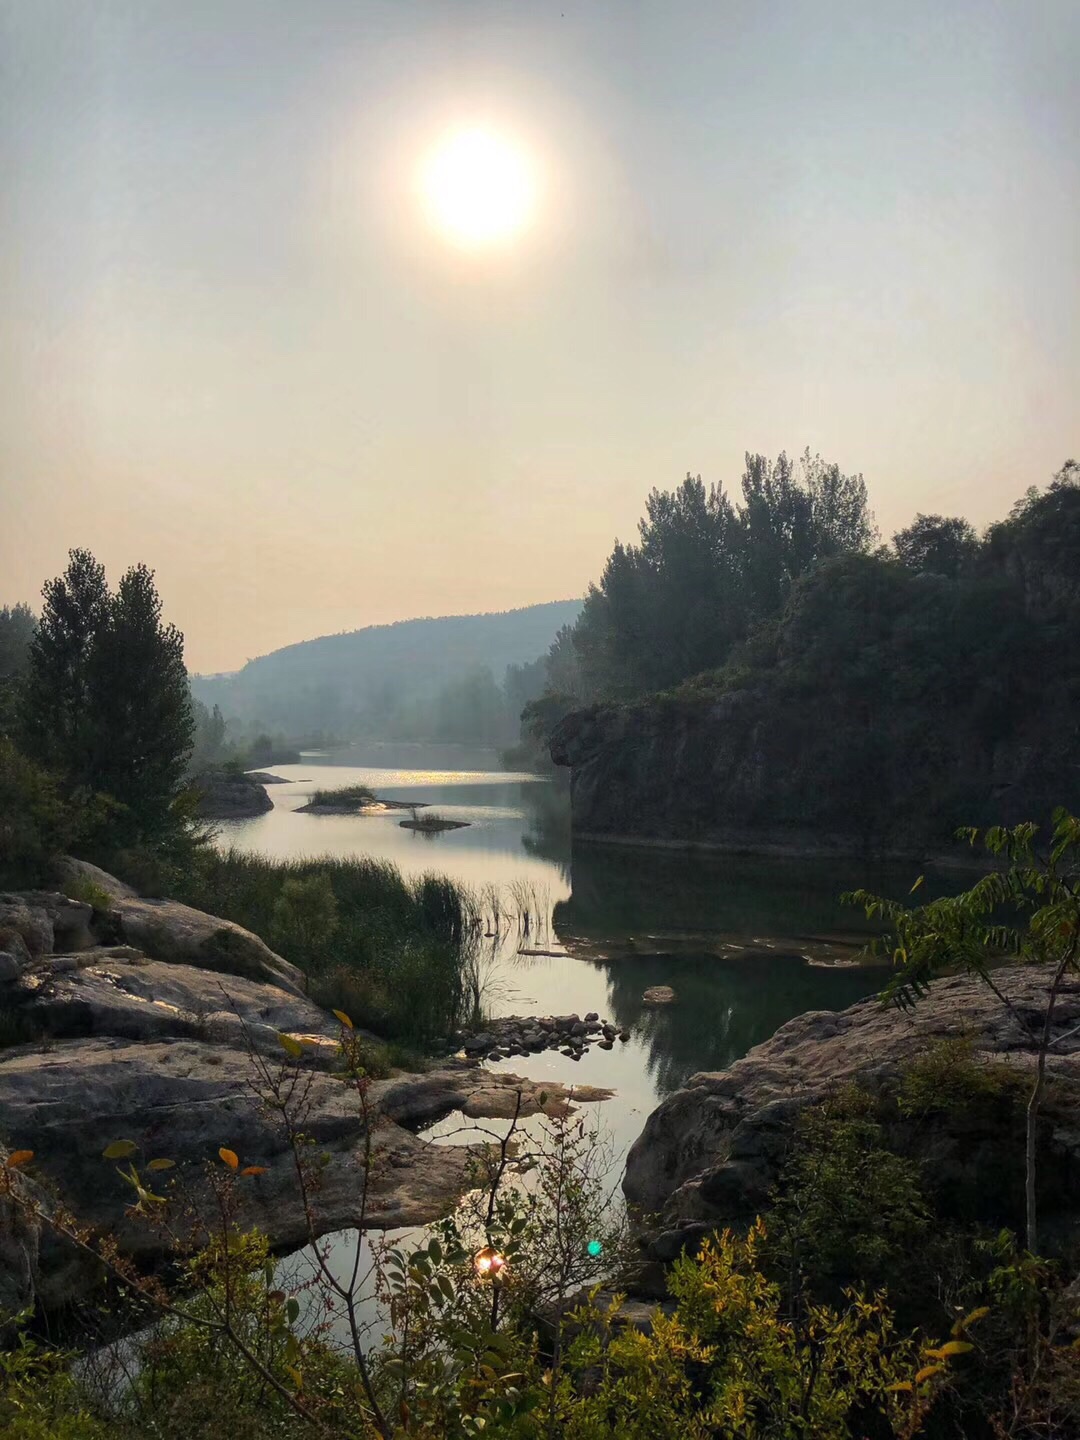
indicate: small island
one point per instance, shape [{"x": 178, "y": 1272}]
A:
[
  {"x": 358, "y": 800},
  {"x": 432, "y": 824},
  {"x": 349, "y": 800}
]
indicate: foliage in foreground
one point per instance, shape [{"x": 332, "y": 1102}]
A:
[{"x": 493, "y": 1325}]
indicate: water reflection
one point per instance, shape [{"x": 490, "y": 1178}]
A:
[
  {"x": 722, "y": 1008},
  {"x": 745, "y": 942}
]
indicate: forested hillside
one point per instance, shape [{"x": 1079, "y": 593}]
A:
[
  {"x": 440, "y": 679},
  {"x": 892, "y": 696}
]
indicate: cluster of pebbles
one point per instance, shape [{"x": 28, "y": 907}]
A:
[{"x": 529, "y": 1034}]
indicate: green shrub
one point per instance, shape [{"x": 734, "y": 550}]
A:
[
  {"x": 89, "y": 893},
  {"x": 355, "y": 796},
  {"x": 305, "y": 914},
  {"x": 39, "y": 1398},
  {"x": 948, "y": 1078},
  {"x": 849, "y": 1211},
  {"x": 36, "y": 823}
]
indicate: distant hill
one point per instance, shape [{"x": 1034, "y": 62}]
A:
[{"x": 343, "y": 684}]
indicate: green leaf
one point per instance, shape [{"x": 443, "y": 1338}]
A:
[
  {"x": 292, "y": 1310},
  {"x": 161, "y": 1164}
]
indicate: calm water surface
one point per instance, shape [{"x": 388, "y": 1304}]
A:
[{"x": 745, "y": 943}]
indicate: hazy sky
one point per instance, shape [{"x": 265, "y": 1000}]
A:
[{"x": 232, "y": 346}]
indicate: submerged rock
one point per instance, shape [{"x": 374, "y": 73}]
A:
[{"x": 658, "y": 995}]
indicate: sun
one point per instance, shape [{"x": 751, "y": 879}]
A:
[{"x": 478, "y": 188}]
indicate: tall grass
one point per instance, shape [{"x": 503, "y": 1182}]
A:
[{"x": 400, "y": 957}]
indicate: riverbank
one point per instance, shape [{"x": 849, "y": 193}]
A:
[{"x": 170, "y": 1030}]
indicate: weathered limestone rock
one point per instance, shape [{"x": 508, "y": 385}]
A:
[
  {"x": 167, "y": 930},
  {"x": 117, "y": 991},
  {"x": 710, "y": 1153},
  {"x": 742, "y": 770},
  {"x": 176, "y": 1059},
  {"x": 42, "y": 918}
]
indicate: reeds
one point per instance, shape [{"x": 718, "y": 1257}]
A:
[{"x": 397, "y": 956}]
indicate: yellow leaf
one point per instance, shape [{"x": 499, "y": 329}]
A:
[
  {"x": 230, "y": 1157},
  {"x": 927, "y": 1371},
  {"x": 254, "y": 1170},
  {"x": 955, "y": 1347},
  {"x": 900, "y": 1385},
  {"x": 119, "y": 1150},
  {"x": 979, "y": 1314},
  {"x": 918, "y": 882},
  {"x": 290, "y": 1045},
  {"x": 344, "y": 1019},
  {"x": 19, "y": 1157},
  {"x": 161, "y": 1164},
  {"x": 295, "y": 1377}
]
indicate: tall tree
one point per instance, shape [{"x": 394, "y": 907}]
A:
[
  {"x": 791, "y": 519},
  {"x": 17, "y": 626},
  {"x": 55, "y": 711},
  {"x": 706, "y": 571},
  {"x": 937, "y": 545},
  {"x": 144, "y": 724}
]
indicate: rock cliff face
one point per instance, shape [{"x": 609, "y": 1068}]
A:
[
  {"x": 744, "y": 771},
  {"x": 711, "y": 1153}
]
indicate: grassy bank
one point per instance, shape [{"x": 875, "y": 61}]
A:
[{"x": 399, "y": 956}]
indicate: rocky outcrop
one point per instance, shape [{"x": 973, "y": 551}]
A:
[
  {"x": 510, "y": 1035},
  {"x": 712, "y": 1152},
  {"x": 229, "y": 795},
  {"x": 167, "y": 930},
  {"x": 756, "y": 771},
  {"x": 35, "y": 922},
  {"x": 118, "y": 991},
  {"x": 180, "y": 1060}
]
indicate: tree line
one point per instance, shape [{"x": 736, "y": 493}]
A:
[
  {"x": 712, "y": 582},
  {"x": 96, "y": 720}
]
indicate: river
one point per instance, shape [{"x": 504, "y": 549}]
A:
[{"x": 745, "y": 943}]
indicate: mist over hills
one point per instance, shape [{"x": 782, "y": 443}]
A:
[{"x": 389, "y": 681}]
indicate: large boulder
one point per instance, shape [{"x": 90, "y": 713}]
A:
[
  {"x": 227, "y": 795},
  {"x": 44, "y": 920},
  {"x": 712, "y": 1152},
  {"x": 167, "y": 930}
]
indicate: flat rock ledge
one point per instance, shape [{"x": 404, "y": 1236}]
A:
[
  {"x": 712, "y": 1152},
  {"x": 511, "y": 1035}
]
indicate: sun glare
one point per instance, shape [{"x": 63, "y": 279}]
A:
[{"x": 478, "y": 188}]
